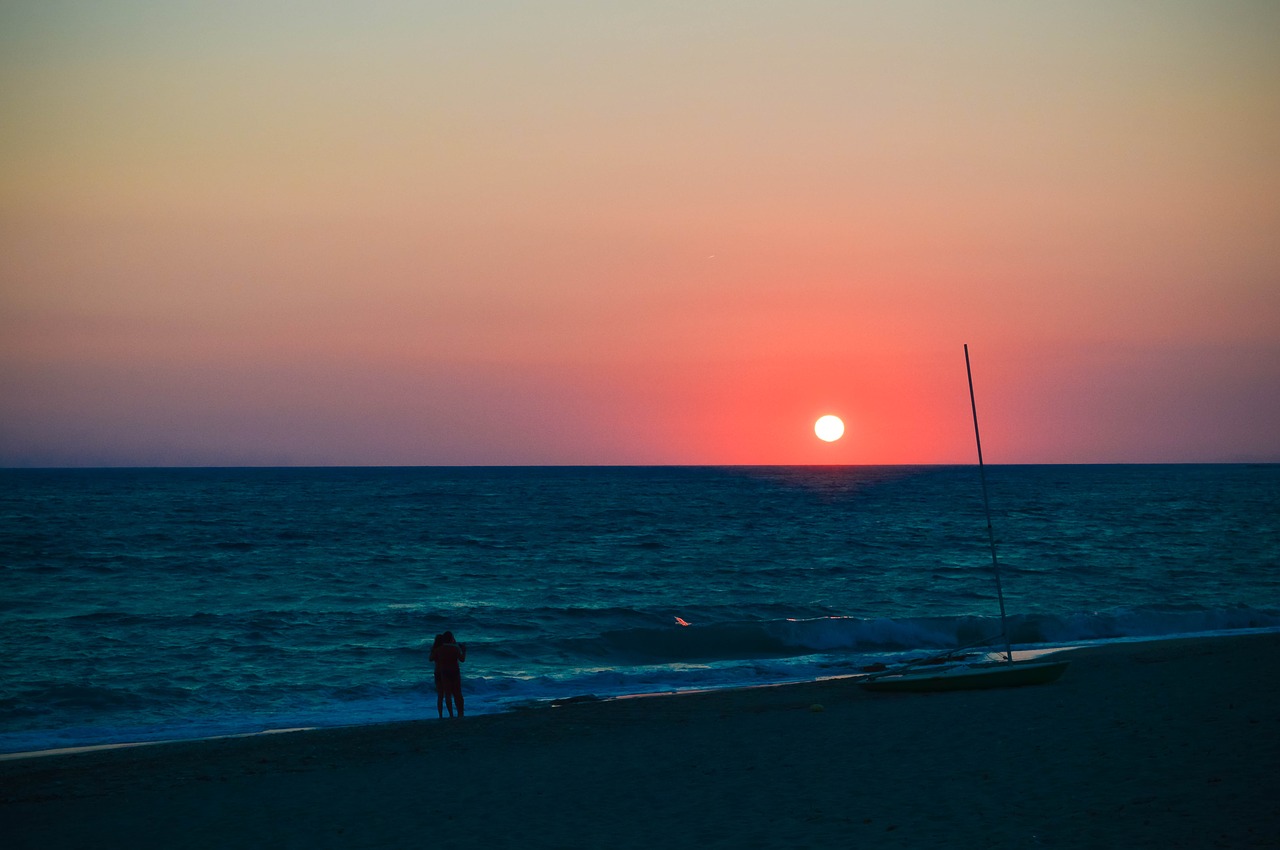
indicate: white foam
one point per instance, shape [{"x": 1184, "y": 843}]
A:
[{"x": 67, "y": 751}]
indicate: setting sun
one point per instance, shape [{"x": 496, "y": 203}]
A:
[{"x": 829, "y": 428}]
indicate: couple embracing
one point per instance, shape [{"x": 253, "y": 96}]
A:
[{"x": 447, "y": 654}]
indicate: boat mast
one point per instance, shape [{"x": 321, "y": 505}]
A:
[{"x": 986, "y": 507}]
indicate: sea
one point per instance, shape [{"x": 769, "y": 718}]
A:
[{"x": 155, "y": 604}]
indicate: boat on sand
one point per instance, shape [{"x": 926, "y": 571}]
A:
[
  {"x": 947, "y": 673},
  {"x": 960, "y": 677}
]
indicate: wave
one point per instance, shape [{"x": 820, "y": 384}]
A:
[
  {"x": 792, "y": 637},
  {"x": 504, "y": 675}
]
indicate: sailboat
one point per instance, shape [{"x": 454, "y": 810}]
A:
[{"x": 949, "y": 673}]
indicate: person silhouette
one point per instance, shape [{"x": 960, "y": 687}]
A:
[
  {"x": 447, "y": 654},
  {"x": 440, "y": 690}
]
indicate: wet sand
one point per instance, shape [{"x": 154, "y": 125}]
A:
[{"x": 1166, "y": 744}]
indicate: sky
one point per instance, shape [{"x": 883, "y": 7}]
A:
[{"x": 429, "y": 233}]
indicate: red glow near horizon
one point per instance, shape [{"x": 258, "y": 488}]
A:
[{"x": 633, "y": 235}]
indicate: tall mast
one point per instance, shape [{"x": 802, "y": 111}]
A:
[{"x": 986, "y": 507}]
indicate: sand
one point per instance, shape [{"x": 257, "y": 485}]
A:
[{"x": 1168, "y": 744}]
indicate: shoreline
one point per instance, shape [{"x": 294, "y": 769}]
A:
[
  {"x": 530, "y": 705},
  {"x": 1024, "y": 653},
  {"x": 1167, "y": 743}
]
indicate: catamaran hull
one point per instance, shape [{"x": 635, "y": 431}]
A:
[{"x": 998, "y": 675}]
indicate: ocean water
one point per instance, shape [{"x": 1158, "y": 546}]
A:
[{"x": 155, "y": 604}]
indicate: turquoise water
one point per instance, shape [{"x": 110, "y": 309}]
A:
[{"x": 153, "y": 604}]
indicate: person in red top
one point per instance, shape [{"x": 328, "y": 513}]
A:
[{"x": 447, "y": 654}]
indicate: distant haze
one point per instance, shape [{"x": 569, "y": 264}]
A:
[{"x": 646, "y": 233}]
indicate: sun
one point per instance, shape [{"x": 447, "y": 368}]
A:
[{"x": 829, "y": 428}]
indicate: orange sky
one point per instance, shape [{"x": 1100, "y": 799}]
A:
[{"x": 655, "y": 233}]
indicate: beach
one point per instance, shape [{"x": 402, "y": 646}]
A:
[{"x": 1170, "y": 743}]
